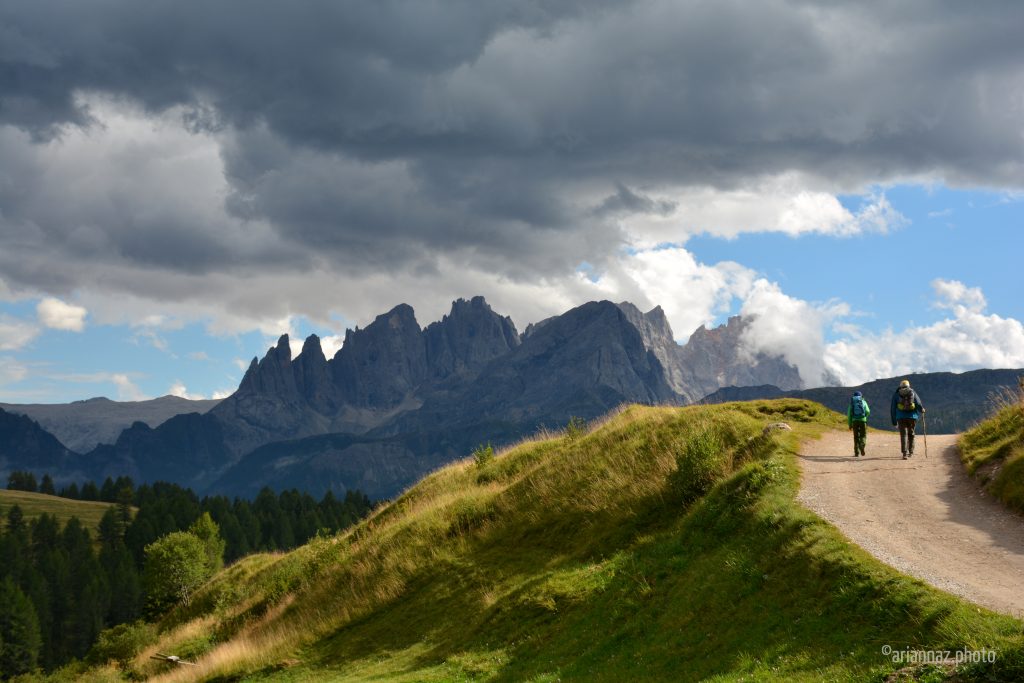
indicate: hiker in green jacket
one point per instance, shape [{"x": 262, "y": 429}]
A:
[{"x": 857, "y": 420}]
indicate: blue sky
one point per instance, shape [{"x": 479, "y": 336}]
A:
[
  {"x": 848, "y": 175},
  {"x": 975, "y": 237}
]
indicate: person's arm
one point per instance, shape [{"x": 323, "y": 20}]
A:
[
  {"x": 917, "y": 400},
  {"x": 867, "y": 411}
]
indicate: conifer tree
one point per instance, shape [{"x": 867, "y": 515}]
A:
[
  {"x": 19, "y": 631},
  {"x": 124, "y": 499},
  {"x": 22, "y": 481},
  {"x": 15, "y": 520},
  {"x": 46, "y": 486}
]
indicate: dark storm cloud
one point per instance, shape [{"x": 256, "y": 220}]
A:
[
  {"x": 375, "y": 134},
  {"x": 627, "y": 201}
]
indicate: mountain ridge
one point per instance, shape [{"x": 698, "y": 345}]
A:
[
  {"x": 428, "y": 395},
  {"x": 82, "y": 425}
]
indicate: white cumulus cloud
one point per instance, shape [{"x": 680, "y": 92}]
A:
[
  {"x": 59, "y": 315},
  {"x": 331, "y": 344},
  {"x": 181, "y": 391},
  {"x": 970, "y": 339},
  {"x": 782, "y": 325},
  {"x": 691, "y": 293},
  {"x": 127, "y": 390},
  {"x": 786, "y": 203},
  {"x": 958, "y": 297}
]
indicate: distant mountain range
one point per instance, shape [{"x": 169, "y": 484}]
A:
[
  {"x": 398, "y": 400},
  {"x": 83, "y": 425},
  {"x": 954, "y": 402}
]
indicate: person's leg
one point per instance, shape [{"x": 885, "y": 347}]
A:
[
  {"x": 860, "y": 434},
  {"x": 910, "y": 436},
  {"x": 902, "y": 424}
]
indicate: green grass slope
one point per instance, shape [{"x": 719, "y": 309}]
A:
[
  {"x": 663, "y": 544},
  {"x": 993, "y": 451},
  {"x": 35, "y": 505}
]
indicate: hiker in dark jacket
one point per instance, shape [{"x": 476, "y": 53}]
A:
[
  {"x": 905, "y": 411},
  {"x": 857, "y": 420}
]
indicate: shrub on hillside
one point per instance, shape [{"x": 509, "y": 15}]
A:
[
  {"x": 121, "y": 643},
  {"x": 700, "y": 462},
  {"x": 483, "y": 455},
  {"x": 576, "y": 429}
]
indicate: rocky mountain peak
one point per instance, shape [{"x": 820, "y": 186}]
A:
[
  {"x": 380, "y": 365},
  {"x": 282, "y": 352},
  {"x": 312, "y": 351},
  {"x": 468, "y": 337},
  {"x": 716, "y": 358},
  {"x": 584, "y": 361},
  {"x": 401, "y": 316},
  {"x": 273, "y": 374},
  {"x": 652, "y": 325},
  {"x": 313, "y": 377},
  {"x": 656, "y": 332}
]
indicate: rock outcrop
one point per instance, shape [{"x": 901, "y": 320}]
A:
[
  {"x": 717, "y": 358},
  {"x": 468, "y": 338},
  {"x": 380, "y": 366}
]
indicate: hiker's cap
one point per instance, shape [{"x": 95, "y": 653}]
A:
[
  {"x": 856, "y": 393},
  {"x": 905, "y": 383}
]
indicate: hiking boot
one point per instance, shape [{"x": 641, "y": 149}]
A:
[{"x": 904, "y": 456}]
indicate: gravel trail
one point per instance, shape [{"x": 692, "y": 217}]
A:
[{"x": 925, "y": 517}]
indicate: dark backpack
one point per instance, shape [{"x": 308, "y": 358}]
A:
[
  {"x": 857, "y": 407},
  {"x": 905, "y": 399}
]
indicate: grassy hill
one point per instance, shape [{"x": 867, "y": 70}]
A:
[
  {"x": 662, "y": 544},
  {"x": 33, "y": 505},
  {"x": 993, "y": 451}
]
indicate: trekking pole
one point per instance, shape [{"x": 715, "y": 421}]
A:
[{"x": 924, "y": 431}]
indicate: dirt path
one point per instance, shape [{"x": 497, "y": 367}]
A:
[{"x": 922, "y": 516}]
